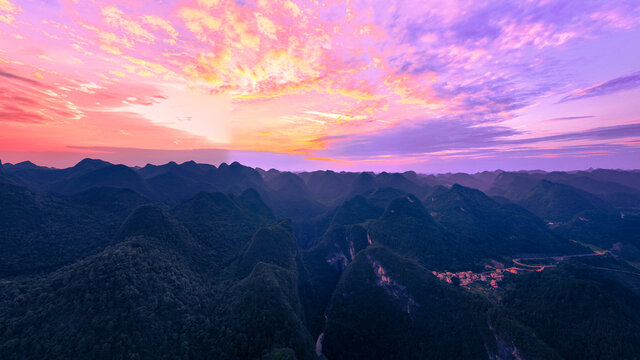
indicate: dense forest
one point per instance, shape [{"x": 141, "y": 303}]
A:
[{"x": 195, "y": 261}]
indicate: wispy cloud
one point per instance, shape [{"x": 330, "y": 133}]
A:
[
  {"x": 16, "y": 77},
  {"x": 599, "y": 133},
  {"x": 608, "y": 87},
  {"x": 567, "y": 118},
  {"x": 449, "y": 136},
  {"x": 418, "y": 137}
]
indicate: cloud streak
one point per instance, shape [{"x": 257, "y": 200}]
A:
[
  {"x": 612, "y": 86},
  {"x": 447, "y": 137},
  {"x": 566, "y": 118},
  {"x": 16, "y": 77}
]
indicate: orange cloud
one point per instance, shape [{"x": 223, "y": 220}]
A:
[
  {"x": 199, "y": 22},
  {"x": 9, "y": 9}
]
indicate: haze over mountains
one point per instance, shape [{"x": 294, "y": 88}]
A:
[{"x": 195, "y": 261}]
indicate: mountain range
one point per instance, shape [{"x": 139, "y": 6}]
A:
[{"x": 196, "y": 261}]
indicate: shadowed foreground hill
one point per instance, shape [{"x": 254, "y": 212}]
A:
[
  {"x": 576, "y": 305},
  {"x": 135, "y": 299},
  {"x": 401, "y": 311},
  {"x": 194, "y": 261},
  {"x": 152, "y": 296}
]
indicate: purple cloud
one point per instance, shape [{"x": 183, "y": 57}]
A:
[
  {"x": 422, "y": 137},
  {"x": 455, "y": 135},
  {"x": 600, "y": 133},
  {"x": 608, "y": 87},
  {"x": 571, "y": 118}
]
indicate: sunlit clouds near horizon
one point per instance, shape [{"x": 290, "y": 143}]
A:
[{"x": 431, "y": 86}]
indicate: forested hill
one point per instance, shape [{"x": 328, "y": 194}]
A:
[{"x": 195, "y": 261}]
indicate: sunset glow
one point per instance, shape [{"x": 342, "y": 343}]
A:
[{"x": 430, "y": 86}]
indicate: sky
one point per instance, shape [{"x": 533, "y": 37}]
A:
[{"x": 424, "y": 85}]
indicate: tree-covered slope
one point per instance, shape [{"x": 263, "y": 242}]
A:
[
  {"x": 407, "y": 228},
  {"x": 558, "y": 202},
  {"x": 389, "y": 307},
  {"x": 42, "y": 232},
  {"x": 494, "y": 229},
  {"x": 577, "y": 311}
]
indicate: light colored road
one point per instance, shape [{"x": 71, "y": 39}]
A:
[
  {"x": 555, "y": 258},
  {"x": 566, "y": 257}
]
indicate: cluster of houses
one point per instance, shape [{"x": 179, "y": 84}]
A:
[{"x": 466, "y": 278}]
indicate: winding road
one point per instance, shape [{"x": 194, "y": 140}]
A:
[{"x": 566, "y": 257}]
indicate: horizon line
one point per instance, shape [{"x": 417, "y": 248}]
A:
[{"x": 591, "y": 169}]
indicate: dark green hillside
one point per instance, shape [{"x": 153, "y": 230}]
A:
[
  {"x": 626, "y": 178},
  {"x": 386, "y": 307},
  {"x": 223, "y": 224},
  {"x": 326, "y": 186},
  {"x": 364, "y": 183},
  {"x": 382, "y": 197},
  {"x": 117, "y": 200},
  {"x": 513, "y": 186},
  {"x": 189, "y": 169},
  {"x": 286, "y": 179},
  {"x": 153, "y": 221},
  {"x": 324, "y": 264},
  {"x": 4, "y": 177},
  {"x": 274, "y": 245},
  {"x": 291, "y": 198},
  {"x": 623, "y": 199},
  {"x": 42, "y": 232},
  {"x": 398, "y": 181},
  {"x": 31, "y": 175},
  {"x": 557, "y": 202},
  {"x": 135, "y": 300},
  {"x": 472, "y": 181},
  {"x": 389, "y": 307},
  {"x": 251, "y": 202},
  {"x": 355, "y": 211},
  {"x": 590, "y": 183},
  {"x": 118, "y": 176},
  {"x": 172, "y": 187},
  {"x": 263, "y": 314},
  {"x": 605, "y": 229},
  {"x": 86, "y": 165},
  {"x": 576, "y": 311},
  {"x": 235, "y": 177},
  {"x": 152, "y": 296},
  {"x": 407, "y": 228},
  {"x": 494, "y": 229}
]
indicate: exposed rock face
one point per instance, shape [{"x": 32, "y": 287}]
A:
[{"x": 392, "y": 287}]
